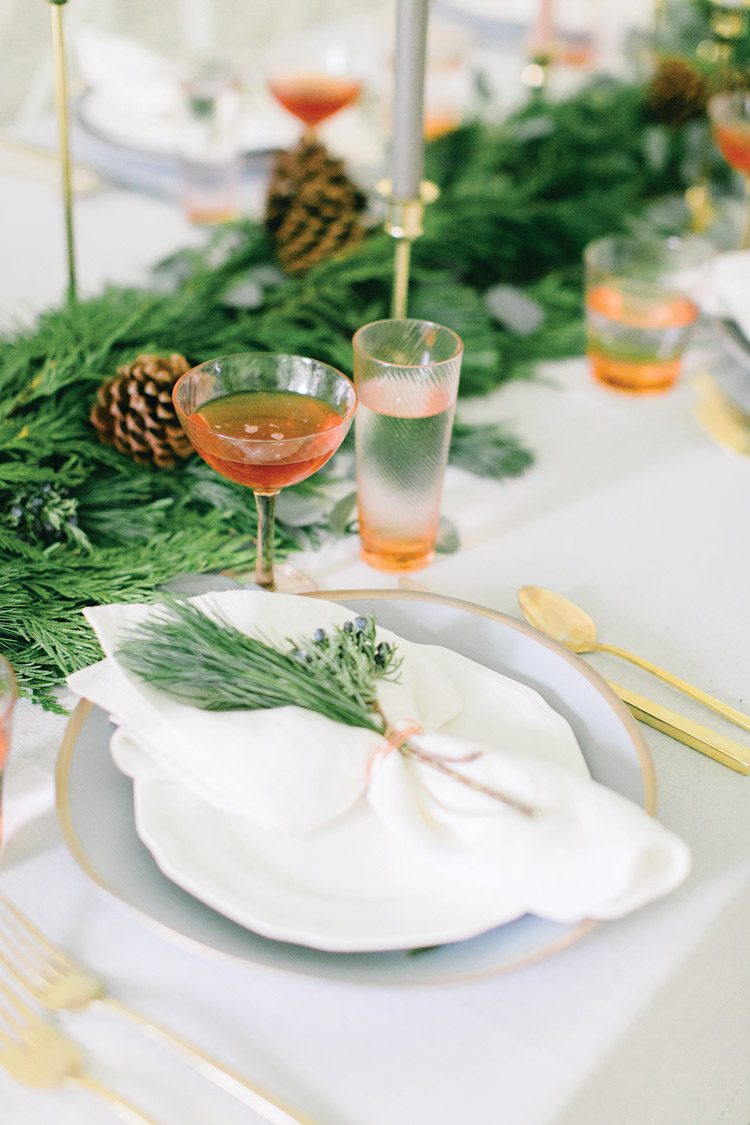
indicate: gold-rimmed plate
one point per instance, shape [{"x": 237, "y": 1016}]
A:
[{"x": 102, "y": 837}]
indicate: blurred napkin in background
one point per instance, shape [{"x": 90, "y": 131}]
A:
[
  {"x": 729, "y": 293},
  {"x": 134, "y": 98},
  {"x": 132, "y": 93},
  {"x": 587, "y": 852},
  {"x": 133, "y": 78}
]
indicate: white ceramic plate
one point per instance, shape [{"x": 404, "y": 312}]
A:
[
  {"x": 351, "y": 885},
  {"x": 102, "y": 836}
]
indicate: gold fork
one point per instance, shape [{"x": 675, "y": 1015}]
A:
[
  {"x": 58, "y": 982},
  {"x": 36, "y": 1054}
]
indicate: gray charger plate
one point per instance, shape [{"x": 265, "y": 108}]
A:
[{"x": 95, "y": 804}]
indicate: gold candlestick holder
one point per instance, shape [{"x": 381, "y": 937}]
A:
[
  {"x": 60, "y": 65},
  {"x": 404, "y": 223}
]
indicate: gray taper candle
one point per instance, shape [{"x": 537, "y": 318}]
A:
[{"x": 408, "y": 100}]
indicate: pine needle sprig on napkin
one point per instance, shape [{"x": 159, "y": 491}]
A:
[{"x": 207, "y": 662}]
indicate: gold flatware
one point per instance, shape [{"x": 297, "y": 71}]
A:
[
  {"x": 36, "y": 1054},
  {"x": 725, "y": 422},
  {"x": 695, "y": 735},
  {"x": 571, "y": 626},
  {"x": 57, "y": 982}
]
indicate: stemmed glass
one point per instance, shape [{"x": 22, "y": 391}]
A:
[
  {"x": 266, "y": 421},
  {"x": 730, "y": 118},
  {"x": 314, "y": 81}
]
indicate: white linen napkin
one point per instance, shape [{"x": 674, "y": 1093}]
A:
[
  {"x": 134, "y": 98},
  {"x": 587, "y": 852}
]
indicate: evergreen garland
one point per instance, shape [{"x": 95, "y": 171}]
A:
[{"x": 80, "y": 523}]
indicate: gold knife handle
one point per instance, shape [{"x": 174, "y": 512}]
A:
[
  {"x": 695, "y": 735},
  {"x": 731, "y": 713}
]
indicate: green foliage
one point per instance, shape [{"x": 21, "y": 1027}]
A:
[
  {"x": 488, "y": 450},
  {"x": 686, "y": 29},
  {"x": 42, "y": 592},
  {"x": 518, "y": 204},
  {"x": 42, "y": 513}
]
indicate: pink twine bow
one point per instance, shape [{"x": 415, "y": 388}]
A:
[{"x": 393, "y": 739}]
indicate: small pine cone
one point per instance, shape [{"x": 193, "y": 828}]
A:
[
  {"x": 134, "y": 411},
  {"x": 305, "y": 243},
  {"x": 677, "y": 92},
  {"x": 313, "y": 208}
]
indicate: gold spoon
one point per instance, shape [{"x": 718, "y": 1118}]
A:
[{"x": 571, "y": 626}]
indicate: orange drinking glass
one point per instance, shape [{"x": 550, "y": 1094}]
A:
[
  {"x": 641, "y": 305},
  {"x": 730, "y": 119},
  {"x": 406, "y": 373},
  {"x": 7, "y": 703}
]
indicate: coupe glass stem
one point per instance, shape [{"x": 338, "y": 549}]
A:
[{"x": 265, "y": 502}]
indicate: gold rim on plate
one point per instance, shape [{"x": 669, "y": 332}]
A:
[{"x": 81, "y": 712}]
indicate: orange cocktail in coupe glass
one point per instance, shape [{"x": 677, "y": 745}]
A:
[
  {"x": 730, "y": 120},
  {"x": 313, "y": 81},
  {"x": 266, "y": 421}
]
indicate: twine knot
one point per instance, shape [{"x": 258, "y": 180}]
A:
[{"x": 394, "y": 738}]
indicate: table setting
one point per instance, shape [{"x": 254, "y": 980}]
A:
[{"x": 374, "y": 732}]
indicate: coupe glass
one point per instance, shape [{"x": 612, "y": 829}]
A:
[
  {"x": 730, "y": 118},
  {"x": 313, "y": 79},
  {"x": 265, "y": 421}
]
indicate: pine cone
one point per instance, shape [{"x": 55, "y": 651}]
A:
[
  {"x": 313, "y": 208},
  {"x": 677, "y": 92},
  {"x": 134, "y": 411}
]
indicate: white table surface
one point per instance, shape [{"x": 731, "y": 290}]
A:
[{"x": 633, "y": 512}]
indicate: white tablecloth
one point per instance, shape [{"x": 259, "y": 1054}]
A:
[{"x": 634, "y": 513}]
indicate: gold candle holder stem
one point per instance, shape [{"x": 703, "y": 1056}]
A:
[
  {"x": 401, "y": 269},
  {"x": 404, "y": 223},
  {"x": 59, "y": 61}
]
